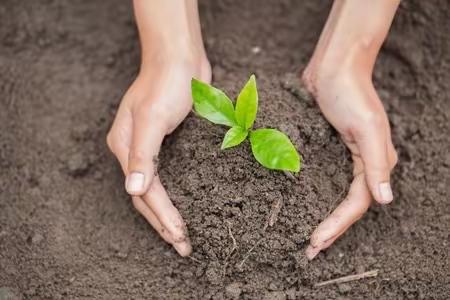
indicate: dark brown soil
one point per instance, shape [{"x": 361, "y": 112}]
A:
[{"x": 68, "y": 230}]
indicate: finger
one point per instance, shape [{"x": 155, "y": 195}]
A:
[
  {"x": 148, "y": 214},
  {"x": 148, "y": 134},
  {"x": 348, "y": 212},
  {"x": 169, "y": 217},
  {"x": 119, "y": 136},
  {"x": 121, "y": 153},
  {"x": 312, "y": 252},
  {"x": 373, "y": 148},
  {"x": 120, "y": 149},
  {"x": 392, "y": 153}
]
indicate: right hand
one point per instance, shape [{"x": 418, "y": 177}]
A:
[
  {"x": 155, "y": 104},
  {"x": 348, "y": 100}
]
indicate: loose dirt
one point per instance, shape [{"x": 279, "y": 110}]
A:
[{"x": 69, "y": 231}]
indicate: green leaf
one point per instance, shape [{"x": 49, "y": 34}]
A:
[
  {"x": 274, "y": 150},
  {"x": 234, "y": 137},
  {"x": 247, "y": 104},
  {"x": 212, "y": 104}
]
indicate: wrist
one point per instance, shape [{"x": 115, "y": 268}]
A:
[
  {"x": 169, "y": 31},
  {"x": 352, "y": 59},
  {"x": 174, "y": 51},
  {"x": 352, "y": 37},
  {"x": 359, "y": 54},
  {"x": 176, "y": 57}
]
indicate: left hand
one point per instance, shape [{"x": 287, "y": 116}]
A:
[{"x": 155, "y": 104}]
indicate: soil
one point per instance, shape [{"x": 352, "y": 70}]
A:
[{"x": 69, "y": 231}]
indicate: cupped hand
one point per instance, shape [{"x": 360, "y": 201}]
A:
[
  {"x": 155, "y": 104},
  {"x": 348, "y": 100}
]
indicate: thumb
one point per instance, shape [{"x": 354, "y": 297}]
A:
[
  {"x": 373, "y": 148},
  {"x": 148, "y": 134}
]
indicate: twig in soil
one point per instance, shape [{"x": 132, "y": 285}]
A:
[
  {"x": 348, "y": 278},
  {"x": 230, "y": 233},
  {"x": 194, "y": 259},
  {"x": 273, "y": 217},
  {"x": 276, "y": 208},
  {"x": 235, "y": 246},
  {"x": 290, "y": 176},
  {"x": 246, "y": 256}
]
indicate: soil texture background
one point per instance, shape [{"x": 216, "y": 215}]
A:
[{"x": 69, "y": 231}]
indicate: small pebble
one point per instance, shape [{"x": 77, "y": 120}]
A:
[
  {"x": 272, "y": 286},
  {"x": 291, "y": 294},
  {"x": 330, "y": 169},
  {"x": 213, "y": 273},
  {"x": 121, "y": 254},
  {"x": 233, "y": 290},
  {"x": 80, "y": 132},
  {"x": 37, "y": 238},
  {"x": 278, "y": 295},
  {"x": 344, "y": 288},
  {"x": 77, "y": 164},
  {"x": 236, "y": 200},
  {"x": 249, "y": 190},
  {"x": 6, "y": 293},
  {"x": 256, "y": 50}
]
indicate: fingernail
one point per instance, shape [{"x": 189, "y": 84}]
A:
[
  {"x": 311, "y": 252},
  {"x": 386, "y": 192},
  {"x": 135, "y": 182},
  {"x": 183, "y": 248}
]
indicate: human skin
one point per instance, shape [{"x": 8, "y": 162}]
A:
[
  {"x": 338, "y": 75},
  {"x": 156, "y": 103}
]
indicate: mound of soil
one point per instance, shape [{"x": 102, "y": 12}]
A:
[
  {"x": 242, "y": 217},
  {"x": 69, "y": 231}
]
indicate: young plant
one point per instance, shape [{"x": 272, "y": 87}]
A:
[{"x": 271, "y": 148}]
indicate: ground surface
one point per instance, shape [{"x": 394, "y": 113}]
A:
[{"x": 68, "y": 231}]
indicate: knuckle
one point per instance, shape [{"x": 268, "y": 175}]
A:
[
  {"x": 309, "y": 80},
  {"x": 128, "y": 97},
  {"x": 110, "y": 141},
  {"x": 162, "y": 115},
  {"x": 158, "y": 114},
  {"x": 137, "y": 203},
  {"x": 141, "y": 113},
  {"x": 368, "y": 122},
  {"x": 137, "y": 155},
  {"x": 153, "y": 188},
  {"x": 314, "y": 239},
  {"x": 394, "y": 158},
  {"x": 375, "y": 119}
]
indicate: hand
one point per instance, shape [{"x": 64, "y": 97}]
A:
[
  {"x": 155, "y": 104},
  {"x": 339, "y": 76},
  {"x": 350, "y": 103}
]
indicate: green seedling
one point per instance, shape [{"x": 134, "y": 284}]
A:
[{"x": 270, "y": 147}]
